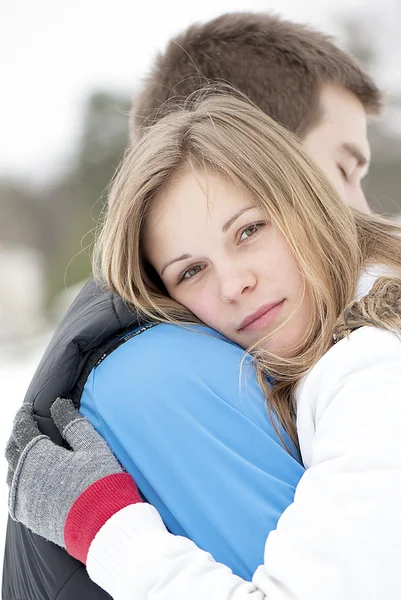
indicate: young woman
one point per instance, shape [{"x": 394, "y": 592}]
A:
[{"x": 217, "y": 216}]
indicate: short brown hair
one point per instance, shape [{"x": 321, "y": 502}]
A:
[{"x": 281, "y": 66}]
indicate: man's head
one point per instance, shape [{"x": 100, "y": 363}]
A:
[{"x": 293, "y": 73}]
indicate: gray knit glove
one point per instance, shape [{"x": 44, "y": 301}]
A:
[{"x": 45, "y": 479}]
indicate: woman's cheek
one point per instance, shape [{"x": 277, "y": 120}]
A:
[{"x": 203, "y": 307}]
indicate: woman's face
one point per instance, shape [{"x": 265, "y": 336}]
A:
[{"x": 218, "y": 255}]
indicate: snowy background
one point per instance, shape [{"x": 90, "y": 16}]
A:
[{"x": 53, "y": 54}]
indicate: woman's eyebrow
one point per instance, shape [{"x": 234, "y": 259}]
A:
[
  {"x": 235, "y": 217},
  {"x": 182, "y": 257}
]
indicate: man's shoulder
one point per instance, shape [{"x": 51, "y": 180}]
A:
[
  {"x": 183, "y": 342},
  {"x": 180, "y": 357}
]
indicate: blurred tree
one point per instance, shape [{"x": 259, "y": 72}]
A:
[
  {"x": 79, "y": 196},
  {"x": 20, "y": 211},
  {"x": 356, "y": 40},
  {"x": 57, "y": 219},
  {"x": 105, "y": 135}
]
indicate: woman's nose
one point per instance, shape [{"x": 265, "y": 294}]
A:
[{"x": 235, "y": 282}]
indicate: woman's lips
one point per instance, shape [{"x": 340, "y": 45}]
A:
[{"x": 262, "y": 317}]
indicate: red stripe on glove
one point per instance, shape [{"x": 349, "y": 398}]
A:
[{"x": 94, "y": 507}]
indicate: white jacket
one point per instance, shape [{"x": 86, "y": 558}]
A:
[{"x": 341, "y": 537}]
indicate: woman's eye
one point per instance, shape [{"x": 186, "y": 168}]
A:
[
  {"x": 191, "y": 272},
  {"x": 250, "y": 230}
]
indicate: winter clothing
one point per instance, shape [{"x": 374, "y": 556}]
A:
[
  {"x": 96, "y": 323},
  {"x": 341, "y": 536},
  {"x": 211, "y": 479},
  {"x": 43, "y": 502}
]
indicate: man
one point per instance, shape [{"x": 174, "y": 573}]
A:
[
  {"x": 185, "y": 385},
  {"x": 294, "y": 74}
]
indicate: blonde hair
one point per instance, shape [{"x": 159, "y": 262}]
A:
[{"x": 225, "y": 134}]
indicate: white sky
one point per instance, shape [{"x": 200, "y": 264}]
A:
[{"x": 52, "y": 53}]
